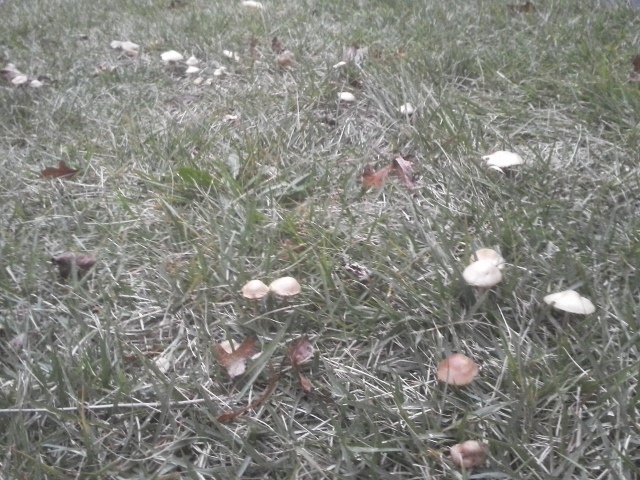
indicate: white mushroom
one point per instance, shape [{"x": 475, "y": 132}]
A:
[
  {"x": 407, "y": 109},
  {"x": 483, "y": 274},
  {"x": 192, "y": 69},
  {"x": 192, "y": 61},
  {"x": 254, "y": 290},
  {"x": 346, "y": 97},
  {"x": 252, "y": 5},
  {"x": 503, "y": 159},
  {"x": 171, "y": 56},
  {"x": 285, "y": 287},
  {"x": 491, "y": 256},
  {"x": 570, "y": 301}
]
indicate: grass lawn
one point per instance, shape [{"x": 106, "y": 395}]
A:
[{"x": 190, "y": 185}]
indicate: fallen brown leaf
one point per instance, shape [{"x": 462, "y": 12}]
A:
[
  {"x": 305, "y": 383},
  {"x": 286, "y": 59},
  {"x": 66, "y": 262},
  {"x": 526, "y": 7},
  {"x": 301, "y": 352},
  {"x": 273, "y": 383},
  {"x": 277, "y": 46},
  {"x": 63, "y": 171},
  {"x": 233, "y": 360},
  {"x": 10, "y": 72},
  {"x": 375, "y": 179},
  {"x": 635, "y": 75},
  {"x": 403, "y": 168}
]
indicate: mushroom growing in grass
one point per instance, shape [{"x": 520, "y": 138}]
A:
[
  {"x": 570, "y": 301},
  {"x": 255, "y": 290},
  {"x": 171, "y": 57},
  {"x": 407, "y": 109},
  {"x": 457, "y": 370},
  {"x": 470, "y": 454},
  {"x": 503, "y": 160},
  {"x": 490, "y": 255},
  {"x": 285, "y": 287},
  {"x": 482, "y": 274}
]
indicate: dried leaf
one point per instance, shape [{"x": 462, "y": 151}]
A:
[
  {"x": 526, "y": 7},
  {"x": 375, "y": 179},
  {"x": 234, "y": 359},
  {"x": 277, "y": 46},
  {"x": 10, "y": 72},
  {"x": 635, "y": 75},
  {"x": 63, "y": 171},
  {"x": 273, "y": 383},
  {"x": 301, "y": 352},
  {"x": 286, "y": 59},
  {"x": 305, "y": 383},
  {"x": 67, "y": 262},
  {"x": 404, "y": 169}
]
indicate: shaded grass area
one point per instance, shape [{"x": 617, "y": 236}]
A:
[{"x": 187, "y": 192}]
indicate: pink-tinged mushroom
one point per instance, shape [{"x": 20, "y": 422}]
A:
[
  {"x": 457, "y": 370},
  {"x": 470, "y": 454}
]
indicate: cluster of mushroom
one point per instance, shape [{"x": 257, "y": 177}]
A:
[
  {"x": 485, "y": 272},
  {"x": 459, "y": 370},
  {"x": 282, "y": 287}
]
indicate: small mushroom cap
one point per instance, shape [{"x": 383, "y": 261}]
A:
[
  {"x": 407, "y": 109},
  {"x": 483, "y": 274},
  {"x": 469, "y": 454},
  {"x": 491, "y": 256},
  {"x": 285, "y": 287},
  {"x": 346, "y": 97},
  {"x": 570, "y": 301},
  {"x": 458, "y": 370},
  {"x": 192, "y": 61},
  {"x": 503, "y": 159},
  {"x": 192, "y": 69},
  {"x": 171, "y": 56},
  {"x": 251, "y": 4},
  {"x": 255, "y": 289}
]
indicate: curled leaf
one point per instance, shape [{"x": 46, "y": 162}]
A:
[
  {"x": 277, "y": 46},
  {"x": 301, "y": 352},
  {"x": 233, "y": 358},
  {"x": 305, "y": 383},
  {"x": 377, "y": 179},
  {"x": 63, "y": 171}
]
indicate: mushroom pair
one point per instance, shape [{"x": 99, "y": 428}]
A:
[{"x": 282, "y": 287}]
